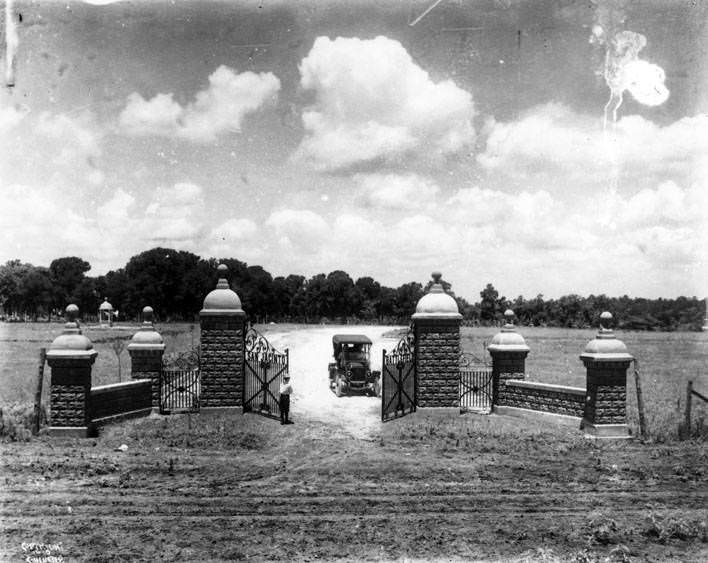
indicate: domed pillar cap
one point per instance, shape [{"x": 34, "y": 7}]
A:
[
  {"x": 436, "y": 304},
  {"x": 147, "y": 337},
  {"x": 222, "y": 300},
  {"x": 508, "y": 340},
  {"x": 606, "y": 346},
  {"x": 71, "y": 343}
]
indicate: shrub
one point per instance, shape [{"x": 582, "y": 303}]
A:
[{"x": 16, "y": 421}]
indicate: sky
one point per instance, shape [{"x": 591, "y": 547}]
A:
[{"x": 547, "y": 147}]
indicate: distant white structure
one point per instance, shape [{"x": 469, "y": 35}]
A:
[{"x": 106, "y": 313}]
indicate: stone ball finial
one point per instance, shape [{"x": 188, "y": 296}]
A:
[
  {"x": 437, "y": 303},
  {"x": 222, "y": 298},
  {"x": 72, "y": 313},
  {"x": 606, "y": 320},
  {"x": 147, "y": 337},
  {"x": 222, "y": 270},
  {"x": 508, "y": 340},
  {"x": 605, "y": 346},
  {"x": 71, "y": 342}
]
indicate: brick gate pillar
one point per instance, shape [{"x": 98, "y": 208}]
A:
[
  {"x": 70, "y": 358},
  {"x": 436, "y": 324},
  {"x": 222, "y": 326},
  {"x": 606, "y": 361},
  {"x": 508, "y": 350},
  {"x": 146, "y": 349}
]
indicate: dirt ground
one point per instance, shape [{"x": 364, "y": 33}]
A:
[{"x": 340, "y": 485}]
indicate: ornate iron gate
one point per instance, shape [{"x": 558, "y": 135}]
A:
[
  {"x": 398, "y": 379},
  {"x": 179, "y": 390},
  {"x": 264, "y": 370},
  {"x": 476, "y": 387}
]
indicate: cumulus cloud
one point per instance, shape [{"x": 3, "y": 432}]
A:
[
  {"x": 396, "y": 191},
  {"x": 218, "y": 109},
  {"x": 374, "y": 103},
  {"x": 10, "y": 116},
  {"x": 553, "y": 140},
  {"x": 302, "y": 229},
  {"x": 176, "y": 214}
]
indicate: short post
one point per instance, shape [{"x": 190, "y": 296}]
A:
[
  {"x": 222, "y": 326},
  {"x": 606, "y": 360},
  {"x": 38, "y": 391},
  {"x": 508, "y": 350},
  {"x": 437, "y": 349},
  {"x": 70, "y": 358},
  {"x": 146, "y": 349},
  {"x": 687, "y": 412}
]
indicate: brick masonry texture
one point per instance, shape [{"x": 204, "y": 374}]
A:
[
  {"x": 114, "y": 400},
  {"x": 69, "y": 405},
  {"x": 607, "y": 392},
  {"x": 147, "y": 364},
  {"x": 506, "y": 365},
  {"x": 222, "y": 342},
  {"x": 437, "y": 351},
  {"x": 70, "y": 395},
  {"x": 549, "y": 400}
]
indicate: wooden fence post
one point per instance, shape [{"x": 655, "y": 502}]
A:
[
  {"x": 38, "y": 391},
  {"x": 687, "y": 420},
  {"x": 640, "y": 400}
]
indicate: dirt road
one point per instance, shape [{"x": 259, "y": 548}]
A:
[{"x": 310, "y": 353}]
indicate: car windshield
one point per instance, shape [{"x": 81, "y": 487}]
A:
[{"x": 353, "y": 352}]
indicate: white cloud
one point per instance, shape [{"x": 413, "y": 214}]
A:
[
  {"x": 373, "y": 102},
  {"x": 218, "y": 109},
  {"x": 552, "y": 141},
  {"x": 11, "y": 116},
  {"x": 396, "y": 191},
  {"x": 176, "y": 214},
  {"x": 76, "y": 139},
  {"x": 303, "y": 229},
  {"x": 157, "y": 116}
]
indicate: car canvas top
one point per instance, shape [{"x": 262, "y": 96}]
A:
[{"x": 350, "y": 339}]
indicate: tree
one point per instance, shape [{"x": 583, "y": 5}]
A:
[
  {"x": 407, "y": 297},
  {"x": 67, "y": 273},
  {"x": 340, "y": 297},
  {"x": 489, "y": 306},
  {"x": 11, "y": 275},
  {"x": 37, "y": 292}
]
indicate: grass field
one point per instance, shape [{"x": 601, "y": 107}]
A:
[
  {"x": 666, "y": 362},
  {"x": 338, "y": 485}
]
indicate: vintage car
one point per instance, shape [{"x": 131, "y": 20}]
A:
[{"x": 351, "y": 369}]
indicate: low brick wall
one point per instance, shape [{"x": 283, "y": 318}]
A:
[
  {"x": 544, "y": 397},
  {"x": 121, "y": 400}
]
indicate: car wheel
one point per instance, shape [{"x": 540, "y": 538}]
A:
[{"x": 338, "y": 388}]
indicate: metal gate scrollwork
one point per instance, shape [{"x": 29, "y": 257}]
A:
[
  {"x": 398, "y": 378},
  {"x": 476, "y": 385},
  {"x": 264, "y": 370}
]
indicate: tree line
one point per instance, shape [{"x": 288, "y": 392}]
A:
[{"x": 175, "y": 282}]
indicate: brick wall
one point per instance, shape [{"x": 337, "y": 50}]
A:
[
  {"x": 607, "y": 391},
  {"x": 222, "y": 342},
  {"x": 437, "y": 350},
  {"x": 70, "y": 393},
  {"x": 121, "y": 399},
  {"x": 556, "y": 399},
  {"x": 506, "y": 365},
  {"x": 146, "y": 364}
]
